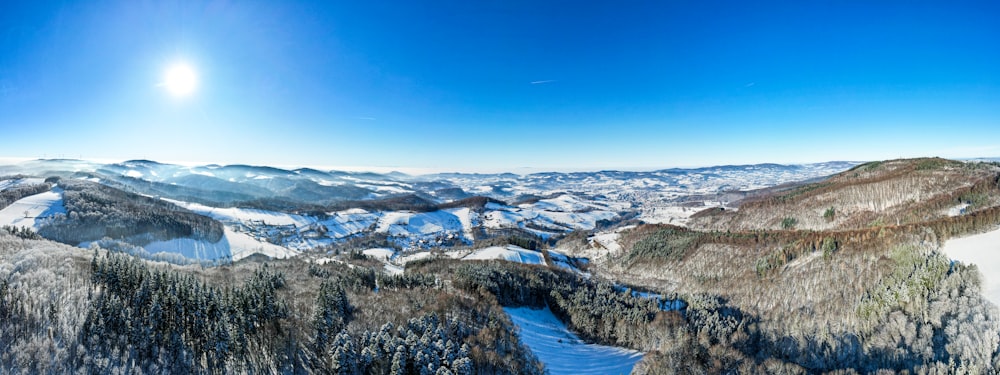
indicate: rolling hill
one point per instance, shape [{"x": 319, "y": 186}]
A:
[
  {"x": 896, "y": 192},
  {"x": 862, "y": 289}
]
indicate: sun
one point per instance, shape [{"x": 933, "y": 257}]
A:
[{"x": 180, "y": 80}]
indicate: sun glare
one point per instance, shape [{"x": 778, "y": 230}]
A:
[{"x": 180, "y": 80}]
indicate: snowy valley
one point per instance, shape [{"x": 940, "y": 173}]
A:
[{"x": 282, "y": 213}]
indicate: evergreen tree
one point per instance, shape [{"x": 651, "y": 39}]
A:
[{"x": 399, "y": 361}]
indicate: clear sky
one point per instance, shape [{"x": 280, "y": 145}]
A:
[{"x": 500, "y": 85}]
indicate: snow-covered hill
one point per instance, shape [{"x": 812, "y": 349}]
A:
[
  {"x": 241, "y": 182},
  {"x": 409, "y": 229},
  {"x": 281, "y": 212}
]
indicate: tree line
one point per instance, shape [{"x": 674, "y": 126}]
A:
[
  {"x": 11, "y": 195},
  {"x": 95, "y": 211}
]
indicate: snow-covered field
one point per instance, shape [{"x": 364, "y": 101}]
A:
[
  {"x": 233, "y": 245},
  {"x": 380, "y": 253},
  {"x": 387, "y": 256},
  {"x": 563, "y": 352},
  {"x": 509, "y": 253},
  {"x": 983, "y": 250},
  {"x": 241, "y": 246},
  {"x": 32, "y": 210},
  {"x": 665, "y": 214},
  {"x": 245, "y": 214},
  {"x": 517, "y": 254}
]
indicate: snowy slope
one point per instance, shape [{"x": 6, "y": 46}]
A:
[
  {"x": 420, "y": 225},
  {"x": 983, "y": 250},
  {"x": 388, "y": 257},
  {"x": 233, "y": 245},
  {"x": 192, "y": 248},
  {"x": 253, "y": 227},
  {"x": 517, "y": 254},
  {"x": 549, "y": 217},
  {"x": 17, "y": 182},
  {"x": 245, "y": 214},
  {"x": 563, "y": 352},
  {"x": 380, "y": 253},
  {"x": 409, "y": 229},
  {"x": 509, "y": 253},
  {"x": 242, "y": 246},
  {"x": 38, "y": 207}
]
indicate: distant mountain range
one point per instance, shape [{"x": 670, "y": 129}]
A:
[
  {"x": 281, "y": 212},
  {"x": 234, "y": 183}
]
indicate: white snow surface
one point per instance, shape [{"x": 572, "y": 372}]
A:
[
  {"x": 388, "y": 257},
  {"x": 413, "y": 224},
  {"x": 15, "y": 182},
  {"x": 517, "y": 254},
  {"x": 983, "y": 250},
  {"x": 415, "y": 256},
  {"x": 667, "y": 214},
  {"x": 233, "y": 245},
  {"x": 242, "y": 245},
  {"x": 38, "y": 207},
  {"x": 957, "y": 210},
  {"x": 380, "y": 253},
  {"x": 412, "y": 230},
  {"x": 509, "y": 253},
  {"x": 607, "y": 240},
  {"x": 192, "y": 249},
  {"x": 245, "y": 214},
  {"x": 563, "y": 352}
]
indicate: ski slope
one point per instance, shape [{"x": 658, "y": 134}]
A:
[{"x": 562, "y": 351}]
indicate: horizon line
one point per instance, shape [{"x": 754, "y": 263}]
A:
[{"x": 420, "y": 171}]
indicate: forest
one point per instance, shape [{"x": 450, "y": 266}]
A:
[
  {"x": 106, "y": 313},
  {"x": 95, "y": 211},
  {"x": 113, "y": 313}
]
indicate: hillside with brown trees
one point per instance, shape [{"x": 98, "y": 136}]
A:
[
  {"x": 871, "y": 195},
  {"x": 861, "y": 287}
]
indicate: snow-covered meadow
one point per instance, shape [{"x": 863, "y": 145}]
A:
[
  {"x": 32, "y": 210},
  {"x": 562, "y": 351},
  {"x": 983, "y": 250}
]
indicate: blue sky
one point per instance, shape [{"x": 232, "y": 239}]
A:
[{"x": 501, "y": 85}]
